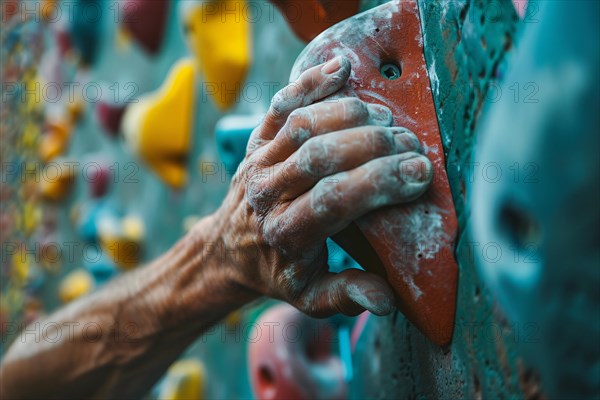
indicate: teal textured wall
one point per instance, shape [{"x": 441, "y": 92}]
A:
[{"x": 466, "y": 48}]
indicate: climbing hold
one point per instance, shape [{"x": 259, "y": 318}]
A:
[
  {"x": 133, "y": 227},
  {"x": 145, "y": 21},
  {"x": 75, "y": 109},
  {"x": 338, "y": 260},
  {"x": 411, "y": 245},
  {"x": 85, "y": 29},
  {"x": 56, "y": 180},
  {"x": 543, "y": 269},
  {"x": 54, "y": 140},
  {"x": 159, "y": 127},
  {"x": 98, "y": 175},
  {"x": 35, "y": 279},
  {"x": 189, "y": 222},
  {"x": 76, "y": 284},
  {"x": 109, "y": 116},
  {"x": 101, "y": 268},
  {"x": 308, "y": 18},
  {"x": 63, "y": 41},
  {"x": 49, "y": 10},
  {"x": 233, "y": 319},
  {"x": 88, "y": 217},
  {"x": 219, "y": 34},
  {"x": 10, "y": 8},
  {"x": 21, "y": 265},
  {"x": 232, "y": 135},
  {"x": 294, "y": 359},
  {"x": 30, "y": 219},
  {"x": 184, "y": 380},
  {"x": 122, "y": 240}
]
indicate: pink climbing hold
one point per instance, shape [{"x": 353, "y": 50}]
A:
[
  {"x": 291, "y": 357},
  {"x": 109, "y": 116}
]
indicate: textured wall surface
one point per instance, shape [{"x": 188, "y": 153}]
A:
[{"x": 466, "y": 44}]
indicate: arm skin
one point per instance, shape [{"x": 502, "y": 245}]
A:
[{"x": 311, "y": 169}]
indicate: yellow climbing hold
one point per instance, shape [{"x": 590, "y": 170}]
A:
[
  {"x": 184, "y": 380},
  {"x": 21, "y": 266},
  {"x": 220, "y": 36},
  {"x": 49, "y": 10},
  {"x": 158, "y": 128},
  {"x": 32, "y": 215},
  {"x": 76, "y": 284},
  {"x": 122, "y": 240},
  {"x": 54, "y": 140},
  {"x": 56, "y": 180}
]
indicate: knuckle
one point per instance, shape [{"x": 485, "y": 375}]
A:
[
  {"x": 299, "y": 116},
  {"x": 328, "y": 202},
  {"x": 286, "y": 99},
  {"x": 308, "y": 81},
  {"x": 276, "y": 233},
  {"x": 331, "y": 83},
  {"x": 279, "y": 103},
  {"x": 261, "y": 195},
  {"x": 313, "y": 158},
  {"x": 382, "y": 140},
  {"x": 355, "y": 108},
  {"x": 299, "y": 125}
]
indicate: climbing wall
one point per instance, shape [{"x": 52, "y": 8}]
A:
[{"x": 467, "y": 44}]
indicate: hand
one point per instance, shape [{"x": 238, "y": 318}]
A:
[{"x": 311, "y": 169}]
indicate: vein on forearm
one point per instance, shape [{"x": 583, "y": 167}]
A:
[{"x": 126, "y": 334}]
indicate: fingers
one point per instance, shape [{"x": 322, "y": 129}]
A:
[
  {"x": 326, "y": 155},
  {"x": 314, "y": 84},
  {"x": 318, "y": 119},
  {"x": 341, "y": 198},
  {"x": 350, "y": 292}
]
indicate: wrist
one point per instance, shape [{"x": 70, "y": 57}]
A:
[{"x": 202, "y": 271}]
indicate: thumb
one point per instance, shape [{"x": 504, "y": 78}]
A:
[{"x": 350, "y": 292}]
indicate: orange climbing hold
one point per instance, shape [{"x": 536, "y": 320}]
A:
[
  {"x": 308, "y": 18},
  {"x": 411, "y": 245}
]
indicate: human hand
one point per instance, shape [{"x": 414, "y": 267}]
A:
[{"x": 311, "y": 169}]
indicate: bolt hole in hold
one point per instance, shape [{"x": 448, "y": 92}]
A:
[
  {"x": 266, "y": 376},
  {"x": 391, "y": 71},
  {"x": 522, "y": 229}
]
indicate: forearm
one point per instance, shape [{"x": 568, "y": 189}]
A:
[{"x": 119, "y": 340}]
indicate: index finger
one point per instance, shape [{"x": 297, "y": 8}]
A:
[{"x": 314, "y": 84}]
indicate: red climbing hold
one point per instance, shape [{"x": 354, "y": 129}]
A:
[
  {"x": 145, "y": 21},
  {"x": 411, "y": 245},
  {"x": 109, "y": 116}
]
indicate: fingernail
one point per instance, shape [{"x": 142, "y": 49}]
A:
[
  {"x": 380, "y": 305},
  {"x": 376, "y": 303},
  {"x": 332, "y": 66},
  {"x": 415, "y": 169},
  {"x": 380, "y": 114},
  {"x": 406, "y": 140}
]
